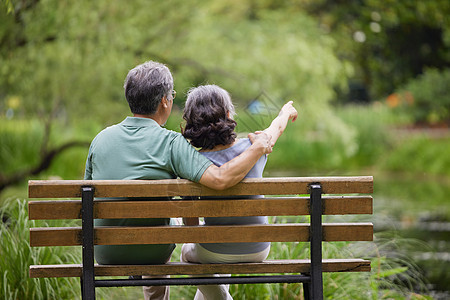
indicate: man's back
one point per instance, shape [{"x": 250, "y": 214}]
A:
[{"x": 138, "y": 148}]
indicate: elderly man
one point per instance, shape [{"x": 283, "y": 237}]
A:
[{"x": 139, "y": 148}]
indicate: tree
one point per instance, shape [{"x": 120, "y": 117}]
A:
[
  {"x": 74, "y": 56},
  {"x": 68, "y": 60},
  {"x": 390, "y": 42}
]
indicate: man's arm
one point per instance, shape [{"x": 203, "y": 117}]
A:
[
  {"x": 230, "y": 173},
  {"x": 88, "y": 168},
  {"x": 278, "y": 125}
]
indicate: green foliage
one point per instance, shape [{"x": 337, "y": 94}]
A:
[
  {"x": 358, "y": 139},
  {"x": 19, "y": 144},
  {"x": 426, "y": 98},
  {"x": 67, "y": 61},
  {"x": 305, "y": 144},
  {"x": 372, "y": 132},
  {"x": 17, "y": 255},
  {"x": 420, "y": 155},
  {"x": 388, "y": 42},
  {"x": 269, "y": 54},
  {"x": 394, "y": 273},
  {"x": 304, "y": 147},
  {"x": 390, "y": 278},
  {"x": 70, "y": 59},
  {"x": 8, "y": 5}
]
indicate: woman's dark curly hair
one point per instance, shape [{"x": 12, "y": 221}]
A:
[{"x": 207, "y": 112}]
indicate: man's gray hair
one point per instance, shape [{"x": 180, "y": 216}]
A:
[{"x": 146, "y": 85}]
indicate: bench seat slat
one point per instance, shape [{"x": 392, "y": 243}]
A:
[
  {"x": 180, "y": 268},
  {"x": 71, "y": 236},
  {"x": 279, "y": 206},
  {"x": 182, "y": 187}
]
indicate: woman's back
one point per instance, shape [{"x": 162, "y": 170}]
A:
[{"x": 219, "y": 158}]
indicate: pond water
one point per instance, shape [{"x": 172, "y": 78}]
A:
[
  {"x": 415, "y": 213},
  {"x": 417, "y": 209}
]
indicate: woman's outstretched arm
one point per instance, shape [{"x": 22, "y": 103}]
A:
[{"x": 276, "y": 128}]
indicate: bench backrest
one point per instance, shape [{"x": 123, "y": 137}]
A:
[{"x": 341, "y": 199}]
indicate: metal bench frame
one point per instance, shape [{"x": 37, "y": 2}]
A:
[{"x": 312, "y": 283}]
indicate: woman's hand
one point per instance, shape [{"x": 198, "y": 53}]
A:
[
  {"x": 289, "y": 110},
  {"x": 233, "y": 171},
  {"x": 261, "y": 139}
]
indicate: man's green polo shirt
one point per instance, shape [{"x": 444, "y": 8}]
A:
[{"x": 138, "y": 148}]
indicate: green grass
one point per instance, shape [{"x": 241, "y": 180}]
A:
[
  {"x": 420, "y": 155},
  {"x": 17, "y": 255},
  {"x": 19, "y": 144}
]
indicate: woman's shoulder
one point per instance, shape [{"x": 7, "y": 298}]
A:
[
  {"x": 238, "y": 147},
  {"x": 243, "y": 143},
  {"x": 229, "y": 153}
]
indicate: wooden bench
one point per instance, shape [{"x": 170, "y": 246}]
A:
[{"x": 342, "y": 198}]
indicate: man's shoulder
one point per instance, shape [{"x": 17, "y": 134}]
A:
[
  {"x": 171, "y": 133},
  {"x": 168, "y": 135},
  {"x": 177, "y": 138},
  {"x": 107, "y": 131}
]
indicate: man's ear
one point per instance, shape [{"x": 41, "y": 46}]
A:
[{"x": 165, "y": 102}]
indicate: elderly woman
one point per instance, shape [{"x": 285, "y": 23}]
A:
[{"x": 210, "y": 126}]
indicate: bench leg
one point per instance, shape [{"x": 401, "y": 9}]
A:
[
  {"x": 87, "y": 289},
  {"x": 306, "y": 290},
  {"x": 316, "y": 242},
  {"x": 87, "y": 214}
]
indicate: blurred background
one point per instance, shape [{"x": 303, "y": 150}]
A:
[{"x": 370, "y": 79}]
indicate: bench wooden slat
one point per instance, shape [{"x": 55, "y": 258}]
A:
[
  {"x": 71, "y": 236},
  {"x": 182, "y": 187},
  {"x": 280, "y": 206},
  {"x": 180, "y": 268}
]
